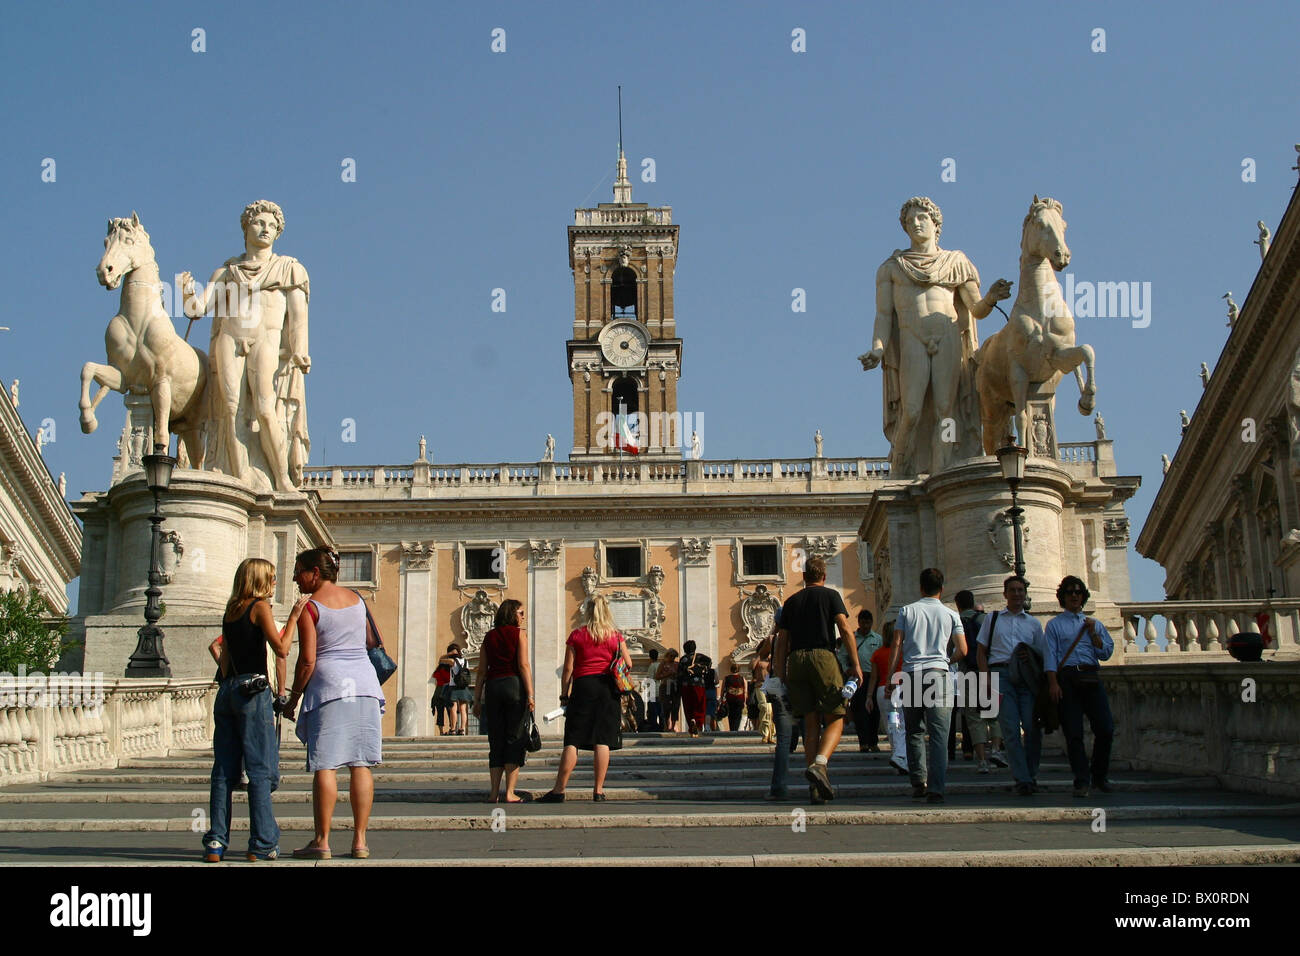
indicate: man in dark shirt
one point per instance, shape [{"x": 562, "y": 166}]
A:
[{"x": 805, "y": 662}]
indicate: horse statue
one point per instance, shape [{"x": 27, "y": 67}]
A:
[
  {"x": 1036, "y": 346},
  {"x": 145, "y": 355}
]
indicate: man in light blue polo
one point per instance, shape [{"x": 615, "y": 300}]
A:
[
  {"x": 1000, "y": 639},
  {"x": 921, "y": 636}
]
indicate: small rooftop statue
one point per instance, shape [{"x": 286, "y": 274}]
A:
[
  {"x": 1164, "y": 464},
  {"x": 1205, "y": 375},
  {"x": 1264, "y": 238},
  {"x": 1182, "y": 414},
  {"x": 1232, "y": 309},
  {"x": 1100, "y": 423}
]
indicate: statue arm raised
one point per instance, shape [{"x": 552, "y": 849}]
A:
[
  {"x": 884, "y": 319},
  {"x": 196, "y": 307},
  {"x": 980, "y": 307}
]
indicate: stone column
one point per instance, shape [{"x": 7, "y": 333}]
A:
[
  {"x": 698, "y": 605},
  {"x": 417, "y": 653},
  {"x": 547, "y": 629}
]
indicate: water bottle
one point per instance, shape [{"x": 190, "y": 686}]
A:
[{"x": 850, "y": 688}]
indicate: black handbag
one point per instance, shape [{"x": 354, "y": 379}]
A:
[
  {"x": 534, "y": 736},
  {"x": 384, "y": 665}
]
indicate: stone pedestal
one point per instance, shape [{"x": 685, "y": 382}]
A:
[
  {"x": 957, "y": 521},
  {"x": 212, "y": 523}
]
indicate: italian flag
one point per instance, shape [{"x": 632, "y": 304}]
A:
[{"x": 624, "y": 439}]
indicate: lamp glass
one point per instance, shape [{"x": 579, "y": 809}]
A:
[
  {"x": 158, "y": 471},
  {"x": 1012, "y": 460}
]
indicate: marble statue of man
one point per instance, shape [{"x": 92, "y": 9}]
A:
[
  {"x": 13, "y": 393},
  {"x": 1232, "y": 309},
  {"x": 1205, "y": 375},
  {"x": 696, "y": 451},
  {"x": 817, "y": 442},
  {"x": 1265, "y": 237},
  {"x": 549, "y": 455},
  {"x": 927, "y": 299},
  {"x": 258, "y": 355},
  {"x": 1100, "y": 424}
]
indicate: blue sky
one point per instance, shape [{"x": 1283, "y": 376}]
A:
[{"x": 785, "y": 170}]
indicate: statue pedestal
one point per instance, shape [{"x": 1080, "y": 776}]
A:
[
  {"x": 957, "y": 521},
  {"x": 211, "y": 524}
]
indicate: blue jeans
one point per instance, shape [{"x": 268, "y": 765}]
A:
[
  {"x": 785, "y": 743},
  {"x": 934, "y": 719},
  {"x": 1016, "y": 711},
  {"x": 244, "y": 735}
]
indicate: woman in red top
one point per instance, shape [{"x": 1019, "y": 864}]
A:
[
  {"x": 505, "y": 683},
  {"x": 591, "y": 718}
]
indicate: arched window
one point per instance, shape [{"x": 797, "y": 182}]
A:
[
  {"x": 626, "y": 400},
  {"x": 622, "y": 293}
]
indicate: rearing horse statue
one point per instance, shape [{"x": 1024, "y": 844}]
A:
[
  {"x": 144, "y": 352},
  {"x": 1037, "y": 343}
]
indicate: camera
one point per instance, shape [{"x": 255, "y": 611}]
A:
[
  {"x": 279, "y": 704},
  {"x": 252, "y": 686}
]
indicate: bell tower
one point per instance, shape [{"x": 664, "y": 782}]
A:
[{"x": 624, "y": 356}]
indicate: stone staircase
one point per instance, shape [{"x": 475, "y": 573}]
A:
[{"x": 671, "y": 801}]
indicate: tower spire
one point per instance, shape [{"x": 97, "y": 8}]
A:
[{"x": 622, "y": 188}]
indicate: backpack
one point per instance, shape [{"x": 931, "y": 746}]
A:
[
  {"x": 460, "y": 677},
  {"x": 972, "y": 626},
  {"x": 751, "y": 705}
]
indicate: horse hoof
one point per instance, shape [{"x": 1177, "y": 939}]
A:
[
  {"x": 1086, "y": 406},
  {"x": 88, "y": 425}
]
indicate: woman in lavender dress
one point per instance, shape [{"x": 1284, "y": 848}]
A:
[{"x": 341, "y": 699}]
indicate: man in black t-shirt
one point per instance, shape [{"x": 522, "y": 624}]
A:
[{"x": 806, "y": 664}]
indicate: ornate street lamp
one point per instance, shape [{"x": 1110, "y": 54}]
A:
[
  {"x": 149, "y": 659},
  {"x": 1012, "y": 459}
]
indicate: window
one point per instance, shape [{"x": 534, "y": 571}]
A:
[
  {"x": 623, "y": 561},
  {"x": 356, "y": 566},
  {"x": 760, "y": 560},
  {"x": 481, "y": 564}
]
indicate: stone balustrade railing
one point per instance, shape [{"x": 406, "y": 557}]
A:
[
  {"x": 83, "y": 724},
  {"x": 659, "y": 215},
  {"x": 1239, "y": 723},
  {"x": 1204, "y": 628},
  {"x": 643, "y": 474}
]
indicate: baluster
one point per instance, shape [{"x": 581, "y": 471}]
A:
[
  {"x": 1212, "y": 642},
  {"x": 1130, "y": 637},
  {"x": 28, "y": 748},
  {"x": 8, "y": 742},
  {"x": 57, "y": 728},
  {"x": 1149, "y": 634},
  {"x": 83, "y": 745},
  {"x": 1191, "y": 636},
  {"x": 1275, "y": 627},
  {"x": 1171, "y": 636}
]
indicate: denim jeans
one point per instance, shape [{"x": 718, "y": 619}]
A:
[
  {"x": 1016, "y": 711},
  {"x": 784, "y": 723},
  {"x": 934, "y": 720},
  {"x": 244, "y": 735},
  {"x": 1076, "y": 701}
]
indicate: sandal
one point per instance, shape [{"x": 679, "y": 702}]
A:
[
  {"x": 551, "y": 797},
  {"x": 312, "y": 853},
  {"x": 360, "y": 853}
]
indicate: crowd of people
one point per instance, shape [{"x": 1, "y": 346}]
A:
[{"x": 1003, "y": 677}]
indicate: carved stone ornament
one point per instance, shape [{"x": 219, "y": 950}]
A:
[
  {"x": 1116, "y": 532},
  {"x": 758, "y": 611},
  {"x": 820, "y": 546},
  {"x": 545, "y": 554},
  {"x": 417, "y": 555},
  {"x": 696, "y": 551},
  {"x": 169, "y": 558},
  {"x": 865, "y": 562},
  {"x": 476, "y": 619},
  {"x": 590, "y": 580},
  {"x": 653, "y": 615},
  {"x": 1002, "y": 535},
  {"x": 656, "y": 578},
  {"x": 884, "y": 582}
]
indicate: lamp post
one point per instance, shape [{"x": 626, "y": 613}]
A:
[
  {"x": 1012, "y": 459},
  {"x": 148, "y": 660}
]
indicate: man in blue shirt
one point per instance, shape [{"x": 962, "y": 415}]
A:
[
  {"x": 922, "y": 635},
  {"x": 864, "y": 720},
  {"x": 1076, "y": 646},
  {"x": 1001, "y": 637}
]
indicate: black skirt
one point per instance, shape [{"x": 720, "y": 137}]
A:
[{"x": 592, "y": 717}]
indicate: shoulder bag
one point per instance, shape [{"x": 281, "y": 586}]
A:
[
  {"x": 620, "y": 672},
  {"x": 384, "y": 665}
]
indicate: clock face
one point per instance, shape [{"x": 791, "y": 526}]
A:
[{"x": 624, "y": 344}]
